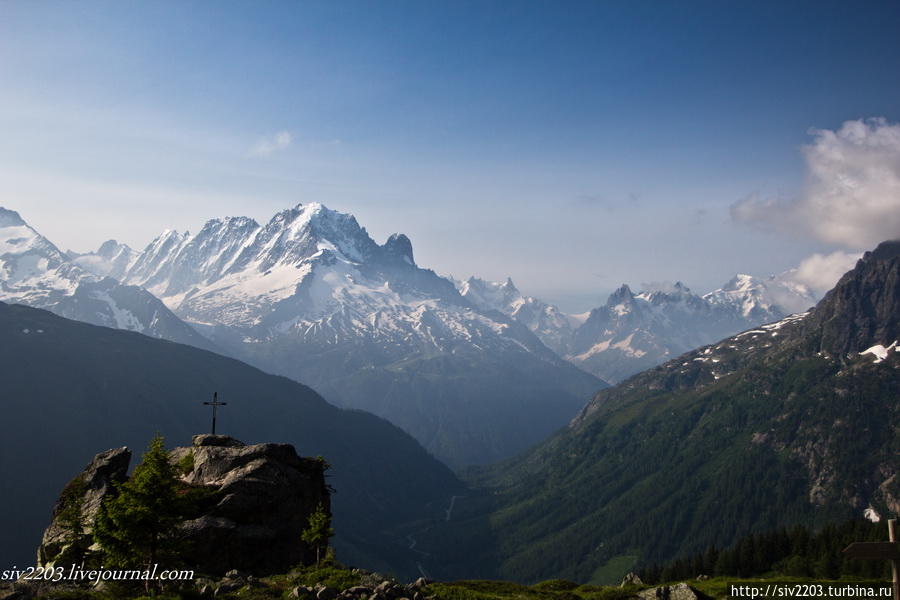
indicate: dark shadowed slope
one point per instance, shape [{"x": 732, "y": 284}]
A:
[{"x": 69, "y": 390}]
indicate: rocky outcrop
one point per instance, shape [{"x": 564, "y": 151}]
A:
[
  {"x": 679, "y": 591},
  {"x": 264, "y": 495},
  {"x": 862, "y": 309},
  {"x": 81, "y": 499},
  {"x": 254, "y": 501}
]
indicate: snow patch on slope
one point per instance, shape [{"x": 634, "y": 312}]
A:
[{"x": 880, "y": 352}]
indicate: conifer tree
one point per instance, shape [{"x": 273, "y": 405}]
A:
[
  {"x": 318, "y": 530},
  {"x": 138, "y": 526}
]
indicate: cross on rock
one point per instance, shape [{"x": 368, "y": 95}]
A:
[
  {"x": 215, "y": 404},
  {"x": 889, "y": 550}
]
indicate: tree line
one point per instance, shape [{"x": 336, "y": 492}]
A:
[{"x": 795, "y": 552}]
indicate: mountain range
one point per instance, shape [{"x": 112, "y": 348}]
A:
[
  {"x": 311, "y": 296},
  {"x": 34, "y": 272},
  {"x": 791, "y": 422},
  {"x": 636, "y": 331},
  {"x": 474, "y": 370}
]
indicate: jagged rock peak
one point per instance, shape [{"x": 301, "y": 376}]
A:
[
  {"x": 316, "y": 215},
  {"x": 742, "y": 282},
  {"x": 10, "y": 218},
  {"x": 622, "y": 293},
  {"x": 108, "y": 248},
  {"x": 398, "y": 245},
  {"x": 884, "y": 251},
  {"x": 861, "y": 311}
]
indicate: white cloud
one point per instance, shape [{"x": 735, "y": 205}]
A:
[
  {"x": 852, "y": 193},
  {"x": 820, "y": 272},
  {"x": 271, "y": 144}
]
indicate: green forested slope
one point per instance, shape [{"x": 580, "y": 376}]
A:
[{"x": 778, "y": 426}]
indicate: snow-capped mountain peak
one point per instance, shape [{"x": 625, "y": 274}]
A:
[
  {"x": 34, "y": 272},
  {"x": 235, "y": 267},
  {"x": 545, "y": 320},
  {"x": 18, "y": 239},
  {"x": 311, "y": 295},
  {"x": 10, "y": 218},
  {"x": 763, "y": 300},
  {"x": 112, "y": 259}
]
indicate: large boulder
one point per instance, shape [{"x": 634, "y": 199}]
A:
[
  {"x": 254, "y": 503},
  {"x": 83, "y": 495},
  {"x": 264, "y": 496}
]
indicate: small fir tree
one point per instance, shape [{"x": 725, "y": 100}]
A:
[
  {"x": 318, "y": 530},
  {"x": 138, "y": 526}
]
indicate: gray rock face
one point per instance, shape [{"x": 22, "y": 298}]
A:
[
  {"x": 90, "y": 487},
  {"x": 208, "y": 439},
  {"x": 263, "y": 497},
  {"x": 258, "y": 501},
  {"x": 862, "y": 308}
]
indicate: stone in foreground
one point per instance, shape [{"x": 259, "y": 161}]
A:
[{"x": 260, "y": 500}]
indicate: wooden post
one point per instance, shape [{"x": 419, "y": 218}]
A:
[
  {"x": 889, "y": 550},
  {"x": 895, "y": 563}
]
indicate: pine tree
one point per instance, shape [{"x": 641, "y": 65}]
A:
[
  {"x": 138, "y": 526},
  {"x": 318, "y": 530}
]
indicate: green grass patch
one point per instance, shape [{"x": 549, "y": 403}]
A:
[{"x": 614, "y": 570}]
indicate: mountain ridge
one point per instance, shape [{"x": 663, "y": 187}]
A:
[
  {"x": 34, "y": 272},
  {"x": 634, "y": 331},
  {"x": 312, "y": 296}
]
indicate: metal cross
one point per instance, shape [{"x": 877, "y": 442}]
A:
[{"x": 215, "y": 404}]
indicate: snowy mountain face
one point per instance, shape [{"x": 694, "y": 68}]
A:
[
  {"x": 634, "y": 332},
  {"x": 310, "y": 295},
  {"x": 112, "y": 259},
  {"x": 546, "y": 321},
  {"x": 759, "y": 301},
  {"x": 34, "y": 272},
  {"x": 637, "y": 331}
]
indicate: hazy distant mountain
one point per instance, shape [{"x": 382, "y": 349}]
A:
[
  {"x": 310, "y": 295},
  {"x": 633, "y": 332},
  {"x": 71, "y": 390},
  {"x": 35, "y": 273},
  {"x": 791, "y": 422},
  {"x": 545, "y": 320},
  {"x": 112, "y": 259},
  {"x": 636, "y": 331}
]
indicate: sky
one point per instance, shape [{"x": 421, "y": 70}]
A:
[{"x": 572, "y": 146}]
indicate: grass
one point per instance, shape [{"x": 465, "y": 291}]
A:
[
  {"x": 611, "y": 572},
  {"x": 278, "y": 587}
]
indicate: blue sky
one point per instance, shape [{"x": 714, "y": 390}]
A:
[{"x": 570, "y": 145}]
